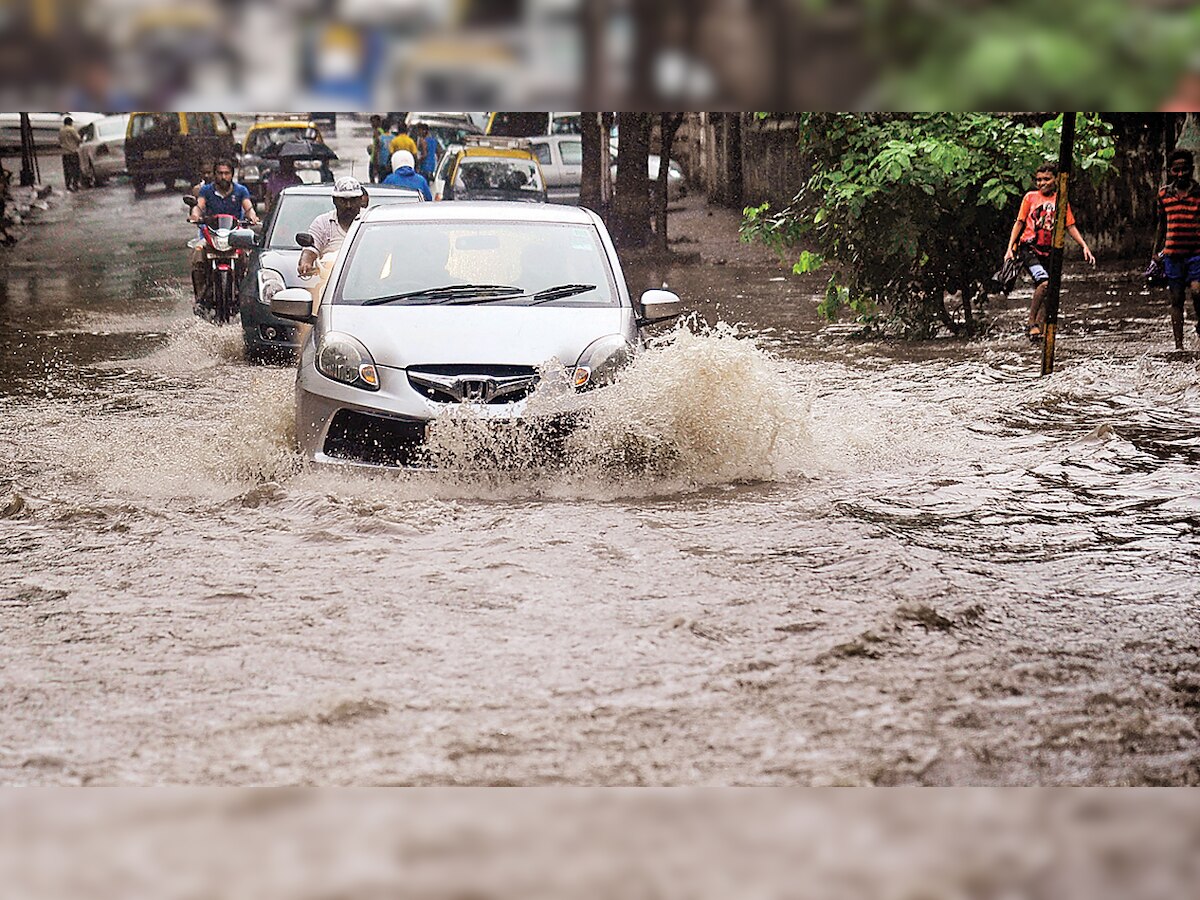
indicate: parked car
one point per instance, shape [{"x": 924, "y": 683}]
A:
[
  {"x": 273, "y": 268},
  {"x": 484, "y": 296},
  {"x": 448, "y": 127},
  {"x": 488, "y": 169},
  {"x": 254, "y": 169},
  {"x": 169, "y": 146},
  {"x": 45, "y": 127},
  {"x": 102, "y": 151},
  {"x": 561, "y": 159},
  {"x": 533, "y": 124}
]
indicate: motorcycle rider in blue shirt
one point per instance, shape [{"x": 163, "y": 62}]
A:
[{"x": 221, "y": 196}]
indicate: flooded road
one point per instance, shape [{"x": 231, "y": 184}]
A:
[{"x": 779, "y": 556}]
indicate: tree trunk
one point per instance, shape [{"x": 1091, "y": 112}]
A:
[
  {"x": 592, "y": 136},
  {"x": 631, "y": 203},
  {"x": 668, "y": 124}
]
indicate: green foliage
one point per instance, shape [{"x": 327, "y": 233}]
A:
[{"x": 909, "y": 206}]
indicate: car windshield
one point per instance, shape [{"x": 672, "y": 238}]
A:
[
  {"x": 498, "y": 174},
  {"x": 297, "y": 211},
  {"x": 263, "y": 138},
  {"x": 504, "y": 263}
]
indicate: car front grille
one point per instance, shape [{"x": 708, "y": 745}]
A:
[
  {"x": 473, "y": 383},
  {"x": 379, "y": 440}
]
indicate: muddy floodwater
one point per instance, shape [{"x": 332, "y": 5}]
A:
[{"x": 778, "y": 555}]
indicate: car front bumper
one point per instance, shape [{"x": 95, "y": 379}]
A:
[{"x": 342, "y": 425}]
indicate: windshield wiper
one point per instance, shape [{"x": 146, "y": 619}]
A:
[
  {"x": 561, "y": 290},
  {"x": 449, "y": 293},
  {"x": 544, "y": 296}
]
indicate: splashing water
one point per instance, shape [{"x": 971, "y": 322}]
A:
[{"x": 701, "y": 407}]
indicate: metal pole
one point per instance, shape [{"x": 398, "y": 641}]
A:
[{"x": 1065, "y": 156}]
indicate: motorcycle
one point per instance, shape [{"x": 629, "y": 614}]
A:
[{"x": 226, "y": 245}]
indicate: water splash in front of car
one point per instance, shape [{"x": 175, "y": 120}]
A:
[{"x": 700, "y": 407}]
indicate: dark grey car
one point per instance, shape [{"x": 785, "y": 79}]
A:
[{"x": 273, "y": 267}]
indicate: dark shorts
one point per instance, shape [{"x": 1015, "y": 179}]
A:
[
  {"x": 1034, "y": 263},
  {"x": 1182, "y": 269}
]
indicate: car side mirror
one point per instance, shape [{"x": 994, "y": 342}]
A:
[
  {"x": 658, "y": 306},
  {"x": 242, "y": 239},
  {"x": 295, "y": 304},
  {"x": 189, "y": 200},
  {"x": 304, "y": 239}
]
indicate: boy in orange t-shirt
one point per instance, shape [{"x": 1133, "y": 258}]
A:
[{"x": 1032, "y": 238}]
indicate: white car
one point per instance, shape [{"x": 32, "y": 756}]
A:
[
  {"x": 102, "y": 152},
  {"x": 432, "y": 306},
  {"x": 561, "y": 159},
  {"x": 45, "y": 129}
]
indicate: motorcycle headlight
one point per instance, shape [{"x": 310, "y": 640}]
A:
[
  {"x": 250, "y": 173},
  {"x": 601, "y": 362},
  {"x": 270, "y": 283},
  {"x": 344, "y": 359}
]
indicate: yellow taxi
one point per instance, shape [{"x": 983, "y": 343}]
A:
[
  {"x": 489, "y": 168},
  {"x": 253, "y": 168}
]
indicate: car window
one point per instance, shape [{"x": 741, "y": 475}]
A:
[
  {"x": 571, "y": 152},
  {"x": 297, "y": 211},
  {"x": 565, "y": 124},
  {"x": 390, "y": 258},
  {"x": 200, "y": 123},
  {"x": 221, "y": 124},
  {"x": 542, "y": 151},
  {"x": 498, "y": 174},
  {"x": 109, "y": 128},
  {"x": 154, "y": 123}
]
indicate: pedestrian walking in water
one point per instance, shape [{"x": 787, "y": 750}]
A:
[
  {"x": 373, "y": 150},
  {"x": 68, "y": 144},
  {"x": 1177, "y": 237},
  {"x": 1032, "y": 239}
]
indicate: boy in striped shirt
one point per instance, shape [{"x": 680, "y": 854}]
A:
[{"x": 1177, "y": 236}]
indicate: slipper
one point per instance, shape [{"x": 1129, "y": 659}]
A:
[{"x": 1035, "y": 332}]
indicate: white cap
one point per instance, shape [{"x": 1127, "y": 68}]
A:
[
  {"x": 347, "y": 188},
  {"x": 403, "y": 158}
]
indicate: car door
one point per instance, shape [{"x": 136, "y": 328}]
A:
[
  {"x": 570, "y": 165},
  {"x": 548, "y": 160}
]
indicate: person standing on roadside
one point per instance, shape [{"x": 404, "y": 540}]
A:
[
  {"x": 1032, "y": 239},
  {"x": 401, "y": 141},
  {"x": 373, "y": 148},
  {"x": 430, "y": 148},
  {"x": 1177, "y": 237},
  {"x": 68, "y": 144}
]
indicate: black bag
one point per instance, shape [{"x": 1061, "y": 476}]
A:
[
  {"x": 1003, "y": 280},
  {"x": 1156, "y": 272}
]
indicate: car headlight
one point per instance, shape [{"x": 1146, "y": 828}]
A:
[
  {"x": 250, "y": 173},
  {"x": 601, "y": 362},
  {"x": 344, "y": 359},
  {"x": 270, "y": 283}
]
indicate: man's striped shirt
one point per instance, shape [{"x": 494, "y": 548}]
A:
[{"x": 1183, "y": 221}]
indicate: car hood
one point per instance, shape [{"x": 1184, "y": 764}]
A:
[
  {"x": 515, "y": 195},
  {"x": 403, "y": 336},
  {"x": 284, "y": 262}
]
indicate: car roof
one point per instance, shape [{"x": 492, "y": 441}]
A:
[
  {"x": 326, "y": 189},
  {"x": 541, "y": 139},
  {"x": 283, "y": 123},
  {"x": 483, "y": 210},
  {"x": 474, "y": 152}
]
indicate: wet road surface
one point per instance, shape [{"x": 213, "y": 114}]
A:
[{"x": 830, "y": 561}]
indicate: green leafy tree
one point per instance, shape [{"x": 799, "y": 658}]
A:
[{"x": 903, "y": 208}]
